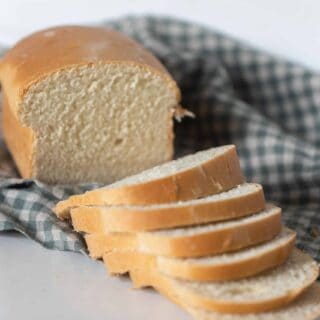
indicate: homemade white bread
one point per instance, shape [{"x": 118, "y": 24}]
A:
[
  {"x": 243, "y": 200},
  {"x": 198, "y": 175},
  {"x": 86, "y": 104},
  {"x": 305, "y": 307},
  {"x": 223, "y": 267},
  {"x": 267, "y": 291},
  {"x": 193, "y": 241}
]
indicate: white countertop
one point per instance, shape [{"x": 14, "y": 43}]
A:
[{"x": 37, "y": 283}]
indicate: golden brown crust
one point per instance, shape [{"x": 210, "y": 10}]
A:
[
  {"x": 150, "y": 277},
  {"x": 122, "y": 261},
  {"x": 54, "y": 49},
  {"x": 97, "y": 219},
  {"x": 195, "y": 245},
  {"x": 219, "y": 174},
  {"x": 19, "y": 140}
]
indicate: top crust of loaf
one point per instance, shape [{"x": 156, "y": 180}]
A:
[{"x": 54, "y": 49}]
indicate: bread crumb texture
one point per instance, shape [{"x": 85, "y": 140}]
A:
[{"x": 98, "y": 122}]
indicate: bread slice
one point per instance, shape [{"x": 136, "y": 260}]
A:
[
  {"x": 267, "y": 291},
  {"x": 305, "y": 307},
  {"x": 191, "y": 177},
  {"x": 193, "y": 241},
  {"x": 229, "y": 266},
  {"x": 243, "y": 200},
  {"x": 84, "y": 104}
]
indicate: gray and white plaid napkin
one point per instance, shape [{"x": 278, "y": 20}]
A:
[{"x": 268, "y": 107}]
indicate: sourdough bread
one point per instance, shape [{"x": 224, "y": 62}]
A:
[
  {"x": 243, "y": 200},
  {"x": 198, "y": 175},
  {"x": 193, "y": 241},
  {"x": 228, "y": 266},
  {"x": 267, "y": 291},
  {"x": 85, "y": 104}
]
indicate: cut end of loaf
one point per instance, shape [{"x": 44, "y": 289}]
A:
[{"x": 99, "y": 122}]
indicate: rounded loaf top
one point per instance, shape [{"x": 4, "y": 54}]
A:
[{"x": 53, "y": 49}]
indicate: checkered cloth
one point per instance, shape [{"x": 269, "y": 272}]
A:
[{"x": 268, "y": 107}]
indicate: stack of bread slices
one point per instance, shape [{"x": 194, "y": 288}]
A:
[{"x": 199, "y": 234}]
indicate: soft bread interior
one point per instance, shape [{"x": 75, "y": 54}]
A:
[{"x": 99, "y": 122}]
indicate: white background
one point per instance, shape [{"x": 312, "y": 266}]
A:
[
  {"x": 290, "y": 28},
  {"x": 36, "y": 283}
]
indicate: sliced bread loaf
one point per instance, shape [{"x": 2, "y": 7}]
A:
[
  {"x": 243, "y": 200},
  {"x": 193, "y": 241},
  {"x": 305, "y": 307},
  {"x": 228, "y": 266},
  {"x": 84, "y": 104},
  {"x": 267, "y": 291},
  {"x": 191, "y": 177}
]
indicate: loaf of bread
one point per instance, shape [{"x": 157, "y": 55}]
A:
[
  {"x": 194, "y": 241},
  {"x": 194, "y": 176},
  {"x": 84, "y": 104},
  {"x": 246, "y": 199}
]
